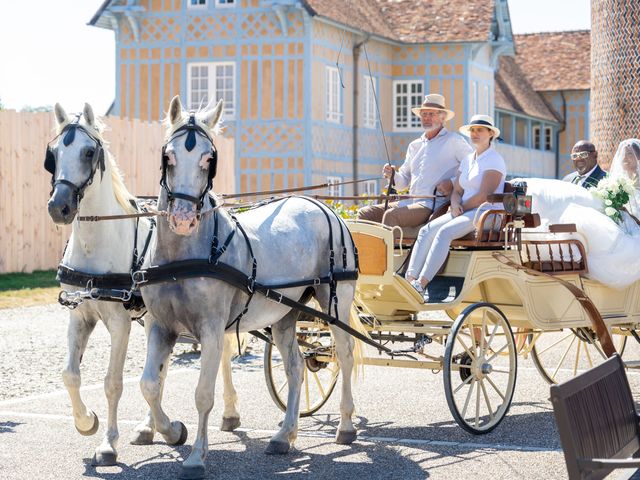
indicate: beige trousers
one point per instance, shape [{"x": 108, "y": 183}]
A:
[{"x": 395, "y": 216}]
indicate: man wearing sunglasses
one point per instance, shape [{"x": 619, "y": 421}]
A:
[{"x": 585, "y": 160}]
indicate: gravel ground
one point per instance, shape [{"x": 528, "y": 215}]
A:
[
  {"x": 33, "y": 342},
  {"x": 405, "y": 424}
]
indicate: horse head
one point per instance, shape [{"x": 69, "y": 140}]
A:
[
  {"x": 72, "y": 158},
  {"x": 189, "y": 160}
]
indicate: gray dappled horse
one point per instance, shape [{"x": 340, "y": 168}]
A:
[
  {"x": 87, "y": 182},
  {"x": 289, "y": 240}
]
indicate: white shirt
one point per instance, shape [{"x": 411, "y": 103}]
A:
[
  {"x": 428, "y": 162},
  {"x": 472, "y": 170}
]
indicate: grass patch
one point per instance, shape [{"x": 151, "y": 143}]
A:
[
  {"x": 27, "y": 289},
  {"x": 19, "y": 281},
  {"x": 28, "y": 297}
]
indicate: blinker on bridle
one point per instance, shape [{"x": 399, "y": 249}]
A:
[
  {"x": 97, "y": 160},
  {"x": 190, "y": 129}
]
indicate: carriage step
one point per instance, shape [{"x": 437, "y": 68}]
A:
[
  {"x": 444, "y": 289},
  {"x": 632, "y": 364}
]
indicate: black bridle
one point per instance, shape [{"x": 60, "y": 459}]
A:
[
  {"x": 190, "y": 129},
  {"x": 97, "y": 160}
]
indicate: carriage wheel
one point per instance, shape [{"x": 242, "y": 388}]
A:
[
  {"x": 560, "y": 356},
  {"x": 480, "y": 367},
  {"x": 319, "y": 376}
]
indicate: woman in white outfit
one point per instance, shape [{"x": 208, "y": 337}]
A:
[
  {"x": 626, "y": 162},
  {"x": 481, "y": 173}
]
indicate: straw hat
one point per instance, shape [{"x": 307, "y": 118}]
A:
[
  {"x": 480, "y": 121},
  {"x": 433, "y": 101}
]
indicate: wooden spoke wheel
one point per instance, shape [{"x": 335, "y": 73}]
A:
[
  {"x": 480, "y": 367},
  {"x": 561, "y": 355},
  {"x": 319, "y": 376}
]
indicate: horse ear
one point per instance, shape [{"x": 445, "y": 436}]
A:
[
  {"x": 211, "y": 117},
  {"x": 88, "y": 115},
  {"x": 175, "y": 110},
  {"x": 61, "y": 115}
]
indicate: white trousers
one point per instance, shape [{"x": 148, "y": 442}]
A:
[{"x": 434, "y": 239}]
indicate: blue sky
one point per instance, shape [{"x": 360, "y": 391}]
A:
[{"x": 53, "y": 56}]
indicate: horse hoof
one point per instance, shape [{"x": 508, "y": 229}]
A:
[
  {"x": 183, "y": 435},
  {"x": 229, "y": 424},
  {"x": 277, "y": 448},
  {"x": 106, "y": 459},
  {"x": 191, "y": 473},
  {"x": 346, "y": 438},
  {"x": 142, "y": 437},
  {"x": 93, "y": 429}
]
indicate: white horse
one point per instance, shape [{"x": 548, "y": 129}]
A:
[
  {"x": 86, "y": 182},
  {"x": 290, "y": 241}
]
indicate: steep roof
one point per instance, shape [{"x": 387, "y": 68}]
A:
[
  {"x": 555, "y": 60},
  {"x": 412, "y": 21},
  {"x": 514, "y": 92},
  {"x": 437, "y": 21}
]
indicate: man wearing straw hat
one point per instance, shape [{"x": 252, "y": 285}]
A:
[{"x": 429, "y": 168}]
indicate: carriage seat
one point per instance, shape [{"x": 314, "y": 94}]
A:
[
  {"x": 561, "y": 250},
  {"x": 409, "y": 234}
]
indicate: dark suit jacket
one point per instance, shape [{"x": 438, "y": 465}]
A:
[{"x": 591, "y": 181}]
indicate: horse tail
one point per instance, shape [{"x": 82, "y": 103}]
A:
[{"x": 358, "y": 354}]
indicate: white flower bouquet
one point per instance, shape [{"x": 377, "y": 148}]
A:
[{"x": 614, "y": 193}]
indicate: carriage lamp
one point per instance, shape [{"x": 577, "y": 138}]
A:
[{"x": 517, "y": 203}]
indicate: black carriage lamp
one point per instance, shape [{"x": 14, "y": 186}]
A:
[{"x": 517, "y": 203}]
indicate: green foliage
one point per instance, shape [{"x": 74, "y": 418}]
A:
[
  {"x": 41, "y": 108},
  {"x": 37, "y": 279},
  {"x": 345, "y": 211}
]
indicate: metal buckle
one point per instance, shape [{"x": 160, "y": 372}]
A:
[
  {"x": 279, "y": 300},
  {"x": 316, "y": 282},
  {"x": 251, "y": 283},
  {"x": 139, "y": 277}
]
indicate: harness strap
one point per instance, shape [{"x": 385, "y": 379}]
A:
[
  {"x": 81, "y": 279},
  {"x": 201, "y": 268},
  {"x": 138, "y": 265}
]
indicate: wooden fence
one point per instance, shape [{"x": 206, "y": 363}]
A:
[{"x": 29, "y": 240}]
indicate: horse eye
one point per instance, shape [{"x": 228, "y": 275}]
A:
[{"x": 90, "y": 153}]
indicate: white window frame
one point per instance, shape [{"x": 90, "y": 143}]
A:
[
  {"x": 334, "y": 190},
  {"x": 487, "y": 99},
  {"x": 369, "y": 111},
  {"x": 413, "y": 121},
  {"x": 219, "y": 4},
  {"x": 474, "y": 97},
  {"x": 333, "y": 111},
  {"x": 370, "y": 188},
  {"x": 229, "y": 112},
  {"x": 537, "y": 139},
  {"x": 198, "y": 6},
  {"x": 548, "y": 131}
]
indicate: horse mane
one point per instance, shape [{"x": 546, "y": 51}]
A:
[{"x": 123, "y": 196}]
